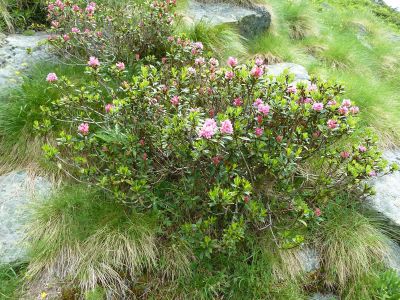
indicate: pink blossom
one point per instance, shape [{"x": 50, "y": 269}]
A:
[
  {"x": 279, "y": 138},
  {"x": 109, "y": 107},
  {"x": 51, "y": 77},
  {"x": 256, "y": 72},
  {"x": 199, "y": 61},
  {"x": 318, "y": 106},
  {"x": 87, "y": 30},
  {"x": 332, "y": 103},
  {"x": 55, "y": 24},
  {"x": 75, "y": 8},
  {"x": 170, "y": 39},
  {"x": 229, "y": 75},
  {"x": 90, "y": 8},
  {"x": 198, "y": 45},
  {"x": 175, "y": 100},
  {"x": 226, "y": 127},
  {"x": 60, "y": 4},
  {"x": 209, "y": 128},
  {"x": 354, "y": 110},
  {"x": 362, "y": 148},
  {"x": 263, "y": 108},
  {"x": 259, "y": 119},
  {"x": 120, "y": 66},
  {"x": 332, "y": 124},
  {"x": 317, "y": 212},
  {"x": 50, "y": 7},
  {"x": 259, "y": 131},
  {"x": 75, "y": 30},
  {"x": 343, "y": 110},
  {"x": 307, "y": 100},
  {"x": 259, "y": 61},
  {"x": 83, "y": 128},
  {"x": 93, "y": 62},
  {"x": 237, "y": 102},
  {"x": 164, "y": 60},
  {"x": 312, "y": 87},
  {"x": 372, "y": 173},
  {"x": 214, "y": 62},
  {"x": 292, "y": 89},
  {"x": 66, "y": 37},
  {"x": 346, "y": 102},
  {"x": 344, "y": 154},
  {"x": 258, "y": 102},
  {"x": 232, "y": 61},
  {"x": 99, "y": 34}
]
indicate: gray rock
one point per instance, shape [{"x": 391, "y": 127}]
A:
[
  {"x": 299, "y": 71},
  {"x": 251, "y": 20},
  {"x": 319, "y": 296},
  {"x": 17, "y": 52},
  {"x": 18, "y": 190},
  {"x": 387, "y": 198}
]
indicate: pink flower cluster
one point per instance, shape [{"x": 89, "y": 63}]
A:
[
  {"x": 257, "y": 72},
  {"x": 93, "y": 62},
  {"x": 261, "y": 107},
  {"x": 175, "y": 100},
  {"x": 210, "y": 128},
  {"x": 51, "y": 77},
  {"x": 120, "y": 66},
  {"x": 83, "y": 128},
  {"x": 232, "y": 62}
]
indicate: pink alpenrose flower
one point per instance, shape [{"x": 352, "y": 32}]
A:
[
  {"x": 120, "y": 66},
  {"x": 109, "y": 107},
  {"x": 51, "y": 77},
  {"x": 232, "y": 62},
  {"x": 93, "y": 62},
  {"x": 226, "y": 127},
  {"x": 318, "y": 106},
  {"x": 332, "y": 124},
  {"x": 175, "y": 100},
  {"x": 83, "y": 128},
  {"x": 208, "y": 129},
  {"x": 259, "y": 131},
  {"x": 256, "y": 72}
]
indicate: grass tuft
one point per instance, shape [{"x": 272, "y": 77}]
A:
[{"x": 81, "y": 238}]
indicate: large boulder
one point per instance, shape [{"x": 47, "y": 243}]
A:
[
  {"x": 17, "y": 52},
  {"x": 250, "y": 19},
  {"x": 387, "y": 197},
  {"x": 18, "y": 191}
]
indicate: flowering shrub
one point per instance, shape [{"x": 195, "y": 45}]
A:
[
  {"x": 218, "y": 151},
  {"x": 81, "y": 28}
]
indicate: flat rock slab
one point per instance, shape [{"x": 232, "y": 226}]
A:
[
  {"x": 18, "y": 190},
  {"x": 250, "y": 20},
  {"x": 319, "y": 296},
  {"x": 298, "y": 71},
  {"x": 387, "y": 198},
  {"x": 17, "y": 52}
]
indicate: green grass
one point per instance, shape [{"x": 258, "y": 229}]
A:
[
  {"x": 11, "y": 280},
  {"x": 82, "y": 238},
  {"x": 21, "y": 107}
]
